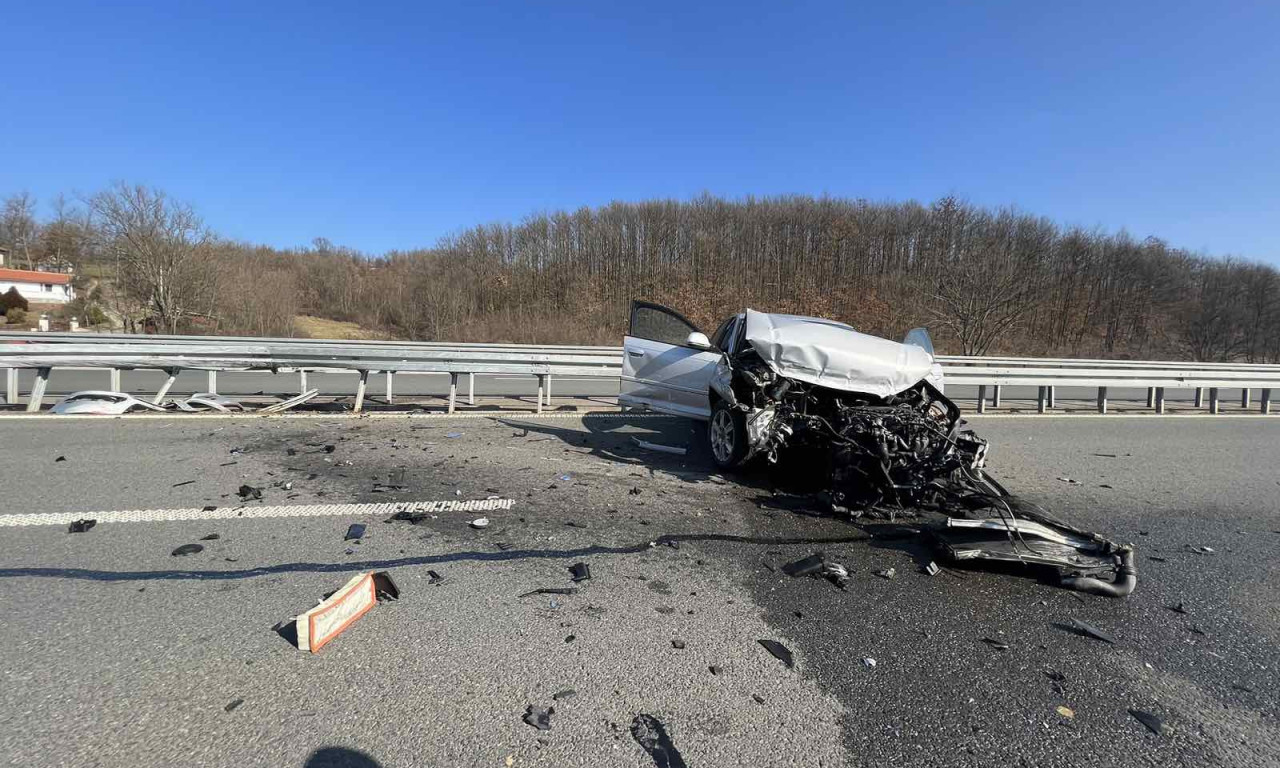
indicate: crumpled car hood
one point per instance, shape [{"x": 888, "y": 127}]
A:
[{"x": 833, "y": 355}]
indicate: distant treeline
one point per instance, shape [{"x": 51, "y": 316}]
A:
[{"x": 982, "y": 280}]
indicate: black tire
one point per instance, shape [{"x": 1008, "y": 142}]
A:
[{"x": 727, "y": 436}]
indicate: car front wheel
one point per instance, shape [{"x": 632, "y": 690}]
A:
[{"x": 727, "y": 435}]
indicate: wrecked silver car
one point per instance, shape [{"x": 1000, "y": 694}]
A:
[{"x": 874, "y": 409}]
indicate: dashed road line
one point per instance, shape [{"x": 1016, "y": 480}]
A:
[{"x": 234, "y": 511}]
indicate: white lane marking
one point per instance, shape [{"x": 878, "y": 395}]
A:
[{"x": 235, "y": 511}]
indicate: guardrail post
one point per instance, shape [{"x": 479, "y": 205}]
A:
[
  {"x": 995, "y": 396},
  {"x": 1244, "y": 399},
  {"x": 390, "y": 376},
  {"x": 1159, "y": 399},
  {"x": 548, "y": 390},
  {"x": 164, "y": 390},
  {"x": 1199, "y": 397},
  {"x": 1040, "y": 399},
  {"x": 542, "y": 382},
  {"x": 471, "y": 389},
  {"x": 302, "y": 380},
  {"x": 1102, "y": 399},
  {"x": 453, "y": 390},
  {"x": 211, "y": 381},
  {"x": 11, "y": 386},
  {"x": 1265, "y": 401},
  {"x": 364, "y": 382},
  {"x": 1151, "y": 397},
  {"x": 982, "y": 398},
  {"x": 1213, "y": 399},
  {"x": 115, "y": 380},
  {"x": 37, "y": 389},
  {"x": 1052, "y": 399}
]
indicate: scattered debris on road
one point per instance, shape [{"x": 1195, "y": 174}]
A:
[
  {"x": 651, "y": 735},
  {"x": 869, "y": 662},
  {"x": 552, "y": 591},
  {"x": 678, "y": 645},
  {"x": 539, "y": 717},
  {"x": 648, "y": 446},
  {"x": 210, "y": 537},
  {"x": 580, "y": 572},
  {"x": 249, "y": 492},
  {"x": 101, "y": 403},
  {"x": 232, "y": 706},
  {"x": 1067, "y": 712},
  {"x": 355, "y": 532},
  {"x": 184, "y": 482},
  {"x": 887, "y": 573},
  {"x": 779, "y": 651},
  {"x": 81, "y": 526},
  {"x": 60, "y": 458},
  {"x": 480, "y": 522},
  {"x": 187, "y": 549},
  {"x": 999, "y": 645},
  {"x": 434, "y": 578}
]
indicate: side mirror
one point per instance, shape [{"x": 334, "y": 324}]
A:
[{"x": 698, "y": 341}]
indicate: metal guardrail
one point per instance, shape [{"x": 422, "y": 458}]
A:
[{"x": 46, "y": 351}]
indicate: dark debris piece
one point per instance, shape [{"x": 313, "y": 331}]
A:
[
  {"x": 758, "y": 698},
  {"x": 805, "y": 566},
  {"x": 434, "y": 578},
  {"x": 184, "y": 482},
  {"x": 999, "y": 645},
  {"x": 652, "y": 737},
  {"x": 552, "y": 591},
  {"x": 580, "y": 571},
  {"x": 567, "y": 693},
  {"x": 60, "y": 458},
  {"x": 677, "y": 644},
  {"x": 715, "y": 669},
  {"x": 1152, "y": 722},
  {"x": 779, "y": 651},
  {"x": 1087, "y": 629},
  {"x": 187, "y": 549},
  {"x": 354, "y": 532},
  {"x": 232, "y": 706},
  {"x": 210, "y": 537},
  {"x": 1179, "y": 608},
  {"x": 81, "y": 526},
  {"x": 330, "y": 448},
  {"x": 384, "y": 588},
  {"x": 247, "y": 492},
  {"x": 538, "y": 717}
]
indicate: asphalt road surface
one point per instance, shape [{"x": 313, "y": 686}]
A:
[{"x": 118, "y": 653}]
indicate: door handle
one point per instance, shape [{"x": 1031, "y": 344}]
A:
[{"x": 636, "y": 352}]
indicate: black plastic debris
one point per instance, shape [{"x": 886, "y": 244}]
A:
[
  {"x": 758, "y": 698},
  {"x": 434, "y": 578},
  {"x": 60, "y": 458},
  {"x": 247, "y": 492},
  {"x": 1179, "y": 608},
  {"x": 805, "y": 566},
  {"x": 208, "y": 508},
  {"x": 779, "y": 651},
  {"x": 81, "y": 526},
  {"x": 538, "y": 717},
  {"x": 355, "y": 531},
  {"x": 291, "y": 452},
  {"x": 187, "y": 549},
  {"x": 210, "y": 537},
  {"x": 232, "y": 706},
  {"x": 1152, "y": 722},
  {"x": 184, "y": 482},
  {"x": 330, "y": 448},
  {"x": 580, "y": 571},
  {"x": 413, "y": 518},
  {"x": 570, "y": 638},
  {"x": 552, "y": 591},
  {"x": 677, "y": 644},
  {"x": 1087, "y": 629},
  {"x": 635, "y": 491},
  {"x": 651, "y": 735},
  {"x": 665, "y": 610},
  {"x": 567, "y": 693},
  {"x": 999, "y": 645},
  {"x": 384, "y": 588},
  {"x": 715, "y": 669},
  {"x": 236, "y": 451}
]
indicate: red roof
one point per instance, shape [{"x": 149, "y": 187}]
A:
[{"x": 29, "y": 276}]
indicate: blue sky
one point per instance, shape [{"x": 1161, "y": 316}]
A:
[{"x": 387, "y": 125}]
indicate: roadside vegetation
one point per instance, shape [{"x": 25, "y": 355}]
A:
[{"x": 983, "y": 280}]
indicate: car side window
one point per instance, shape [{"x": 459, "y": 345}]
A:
[
  {"x": 658, "y": 324},
  {"x": 723, "y": 335}
]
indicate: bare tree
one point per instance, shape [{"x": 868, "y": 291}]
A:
[
  {"x": 165, "y": 258},
  {"x": 18, "y": 228}
]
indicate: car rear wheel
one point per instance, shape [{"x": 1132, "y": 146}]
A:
[{"x": 727, "y": 435}]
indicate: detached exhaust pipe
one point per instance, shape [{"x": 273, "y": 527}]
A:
[{"x": 1126, "y": 580}]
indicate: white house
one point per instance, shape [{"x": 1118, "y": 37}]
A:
[{"x": 39, "y": 287}]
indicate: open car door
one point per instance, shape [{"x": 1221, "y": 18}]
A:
[{"x": 666, "y": 363}]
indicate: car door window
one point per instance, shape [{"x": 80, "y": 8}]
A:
[
  {"x": 657, "y": 323},
  {"x": 723, "y": 335}
]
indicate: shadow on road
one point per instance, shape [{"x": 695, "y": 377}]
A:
[{"x": 340, "y": 757}]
